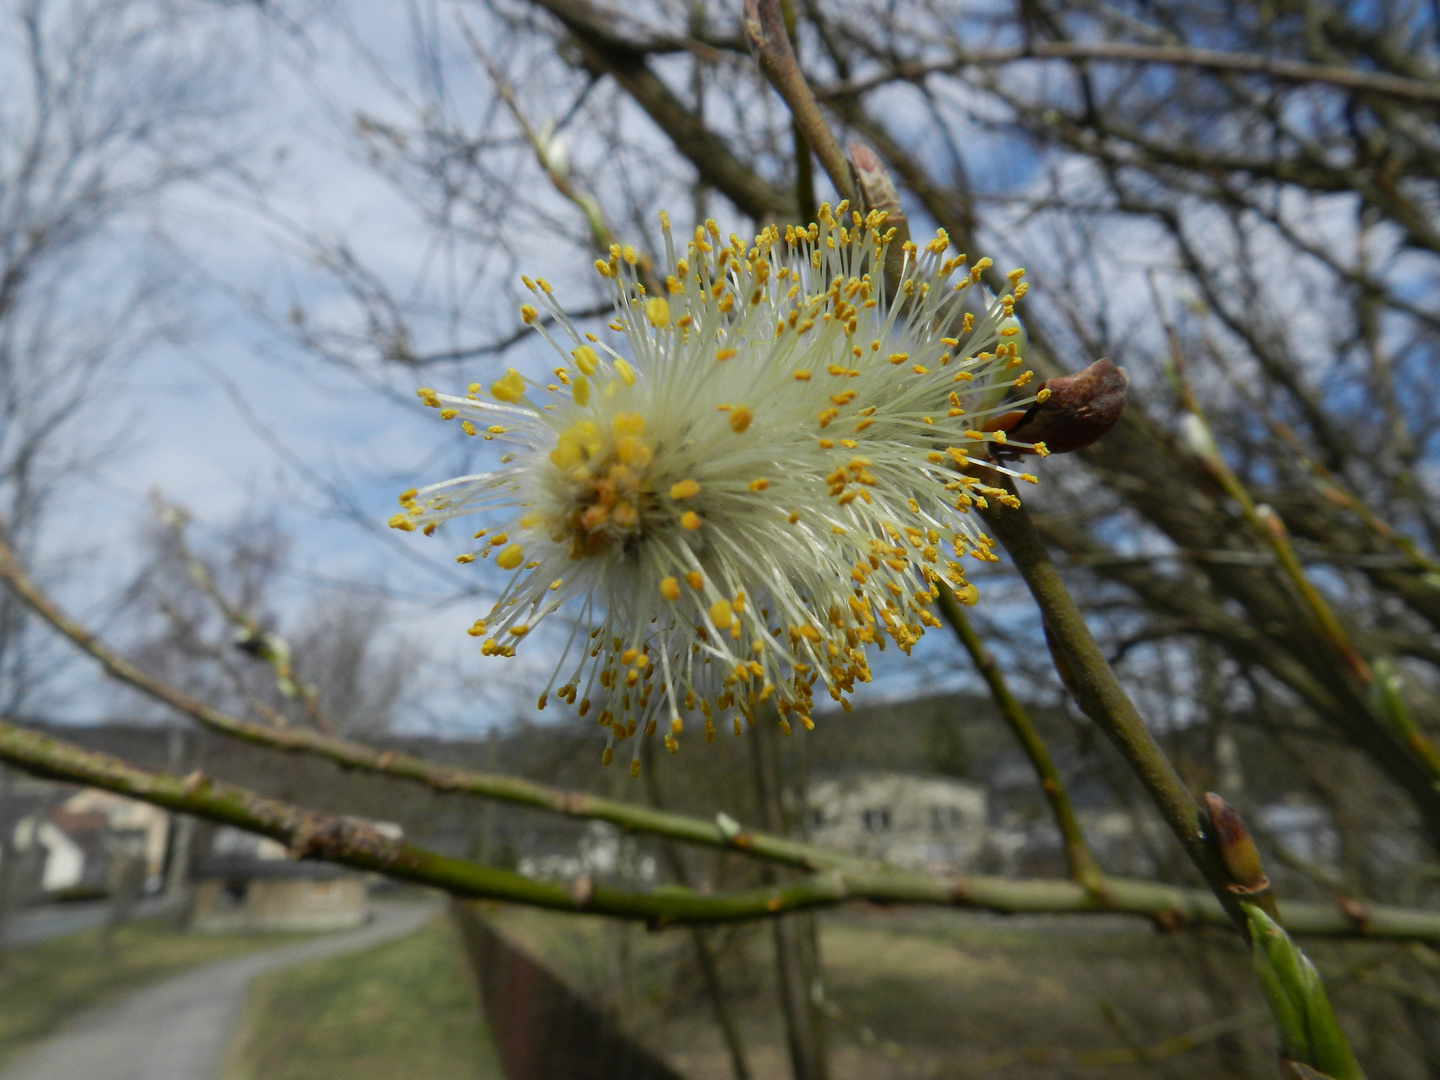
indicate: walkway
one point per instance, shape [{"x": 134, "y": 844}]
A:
[{"x": 179, "y": 1029}]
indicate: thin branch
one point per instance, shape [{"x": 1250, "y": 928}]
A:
[
  {"x": 1078, "y": 858},
  {"x": 1294, "y": 71},
  {"x": 500, "y": 344},
  {"x": 1131, "y": 1055}
]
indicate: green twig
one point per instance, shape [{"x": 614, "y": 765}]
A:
[
  {"x": 843, "y": 877},
  {"x": 1100, "y": 696},
  {"x": 357, "y": 843},
  {"x": 1078, "y": 858},
  {"x": 1262, "y": 519}
]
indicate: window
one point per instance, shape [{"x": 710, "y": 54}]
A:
[
  {"x": 945, "y": 818},
  {"x": 875, "y": 820},
  {"x": 233, "y": 892}
]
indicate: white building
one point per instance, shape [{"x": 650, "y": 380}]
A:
[
  {"x": 79, "y": 839},
  {"x": 914, "y": 822}
]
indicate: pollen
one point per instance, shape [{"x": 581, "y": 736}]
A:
[{"x": 685, "y": 489}]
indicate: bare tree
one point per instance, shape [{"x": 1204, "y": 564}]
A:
[{"x": 108, "y": 107}]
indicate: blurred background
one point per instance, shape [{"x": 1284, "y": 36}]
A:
[{"x": 234, "y": 239}]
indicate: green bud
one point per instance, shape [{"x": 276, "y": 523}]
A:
[
  {"x": 1310, "y": 1035},
  {"x": 1389, "y": 702}
]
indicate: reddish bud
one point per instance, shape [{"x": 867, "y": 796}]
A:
[
  {"x": 1237, "y": 848},
  {"x": 1078, "y": 411}
]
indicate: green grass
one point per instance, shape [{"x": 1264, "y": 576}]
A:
[
  {"x": 406, "y": 1009},
  {"x": 46, "y": 983}
]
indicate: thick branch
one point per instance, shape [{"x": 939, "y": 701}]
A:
[
  {"x": 765, "y": 27},
  {"x": 1100, "y": 695},
  {"x": 359, "y": 844},
  {"x": 606, "y": 51}
]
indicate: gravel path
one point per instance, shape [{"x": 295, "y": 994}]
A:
[{"x": 179, "y": 1029}]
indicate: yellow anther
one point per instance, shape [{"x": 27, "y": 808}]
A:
[
  {"x": 657, "y": 310},
  {"x": 467, "y": 427},
  {"x": 586, "y": 359},
  {"x": 628, "y": 424},
  {"x": 466, "y": 558},
  {"x": 581, "y": 391},
  {"x": 626, "y": 372},
  {"x": 670, "y": 588},
  {"x": 690, "y": 520},
  {"x": 528, "y": 313},
  {"x": 759, "y": 484},
  {"x": 740, "y": 418},
  {"x": 510, "y": 388},
  {"x": 685, "y": 489},
  {"x": 633, "y": 452},
  {"x": 402, "y": 522},
  {"x": 695, "y": 579},
  {"x": 725, "y": 354},
  {"x": 802, "y": 375},
  {"x": 722, "y": 614},
  {"x": 1043, "y": 396},
  {"x": 510, "y": 558},
  {"x": 899, "y": 357}
]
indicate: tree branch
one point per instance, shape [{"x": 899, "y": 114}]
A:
[
  {"x": 1078, "y": 858},
  {"x": 1294, "y": 71},
  {"x": 358, "y": 843}
]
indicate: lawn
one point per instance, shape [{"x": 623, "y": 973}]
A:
[
  {"x": 912, "y": 995},
  {"x": 45, "y": 983},
  {"x": 407, "y": 1009}
]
